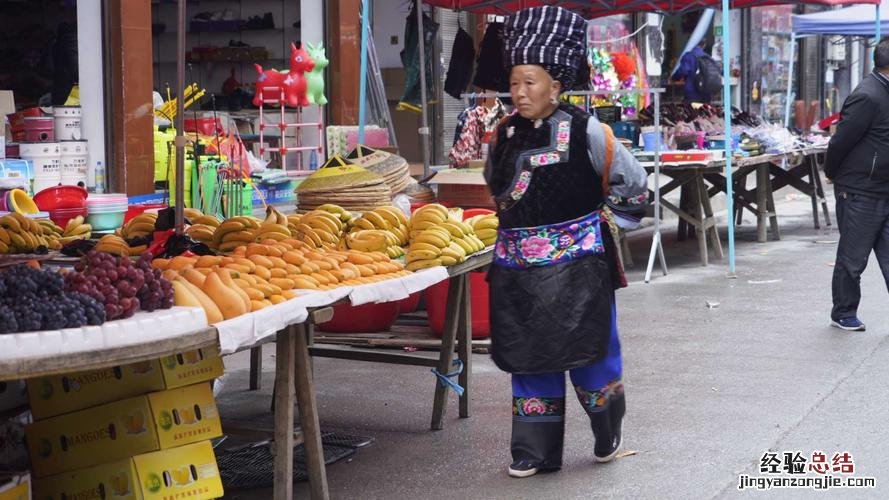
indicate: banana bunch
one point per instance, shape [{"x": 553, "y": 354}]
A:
[
  {"x": 235, "y": 232},
  {"x": 485, "y": 227},
  {"x": 138, "y": 227},
  {"x": 341, "y": 213},
  {"x": 201, "y": 232},
  {"x": 386, "y": 218},
  {"x": 274, "y": 216},
  {"x": 369, "y": 240},
  {"x": 292, "y": 221},
  {"x": 320, "y": 228},
  {"x": 115, "y": 245},
  {"x": 75, "y": 229},
  {"x": 274, "y": 227},
  {"x": 197, "y": 218},
  {"x": 19, "y": 234},
  {"x": 463, "y": 236},
  {"x": 428, "y": 249},
  {"x": 426, "y": 217}
]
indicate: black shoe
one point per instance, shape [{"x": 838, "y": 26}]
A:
[
  {"x": 606, "y": 425},
  {"x": 523, "y": 468},
  {"x": 268, "y": 21}
]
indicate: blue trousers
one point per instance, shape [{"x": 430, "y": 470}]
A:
[{"x": 538, "y": 421}]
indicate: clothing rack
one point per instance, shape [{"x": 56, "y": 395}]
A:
[{"x": 657, "y": 247}]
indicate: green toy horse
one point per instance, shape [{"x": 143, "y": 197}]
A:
[{"x": 315, "y": 79}]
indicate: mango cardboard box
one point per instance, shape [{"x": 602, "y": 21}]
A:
[
  {"x": 15, "y": 486},
  {"x": 185, "y": 472},
  {"x": 156, "y": 421},
  {"x": 60, "y": 394}
]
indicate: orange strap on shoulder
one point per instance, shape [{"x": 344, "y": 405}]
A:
[{"x": 609, "y": 156}]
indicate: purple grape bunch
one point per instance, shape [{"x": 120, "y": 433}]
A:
[{"x": 120, "y": 285}]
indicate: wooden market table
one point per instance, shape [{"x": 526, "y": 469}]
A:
[
  {"x": 695, "y": 210},
  {"x": 457, "y": 332}
]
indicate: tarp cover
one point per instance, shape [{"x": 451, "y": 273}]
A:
[{"x": 859, "y": 20}]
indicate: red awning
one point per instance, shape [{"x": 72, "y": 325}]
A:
[{"x": 599, "y": 8}]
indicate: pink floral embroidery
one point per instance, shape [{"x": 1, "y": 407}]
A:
[
  {"x": 536, "y": 247},
  {"x": 500, "y": 250},
  {"x": 588, "y": 241},
  {"x": 533, "y": 406}
]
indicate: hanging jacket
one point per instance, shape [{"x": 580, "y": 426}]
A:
[
  {"x": 490, "y": 72},
  {"x": 460, "y": 65},
  {"x": 409, "y": 58}
]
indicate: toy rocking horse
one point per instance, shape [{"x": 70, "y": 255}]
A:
[{"x": 271, "y": 82}]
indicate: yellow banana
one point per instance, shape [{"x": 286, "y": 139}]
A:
[
  {"x": 432, "y": 238},
  {"x": 377, "y": 220},
  {"x": 275, "y": 227},
  {"x": 392, "y": 214},
  {"x": 363, "y": 223},
  {"x": 486, "y": 222},
  {"x": 4, "y": 236},
  {"x": 466, "y": 245},
  {"x": 11, "y": 223},
  {"x": 455, "y": 230},
  {"x": 419, "y": 245},
  {"x": 413, "y": 255},
  {"x": 447, "y": 260},
  {"x": 486, "y": 235},
  {"x": 422, "y": 264},
  {"x": 394, "y": 251}
]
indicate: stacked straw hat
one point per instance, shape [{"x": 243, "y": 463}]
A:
[{"x": 342, "y": 183}]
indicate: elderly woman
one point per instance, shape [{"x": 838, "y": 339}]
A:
[{"x": 561, "y": 183}]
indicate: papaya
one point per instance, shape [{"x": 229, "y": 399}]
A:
[{"x": 228, "y": 301}]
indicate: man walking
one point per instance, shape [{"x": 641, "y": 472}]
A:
[
  {"x": 858, "y": 164},
  {"x": 688, "y": 70}
]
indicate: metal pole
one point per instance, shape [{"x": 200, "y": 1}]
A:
[
  {"x": 421, "y": 45},
  {"x": 727, "y": 124},
  {"x": 879, "y": 31},
  {"x": 362, "y": 73},
  {"x": 180, "y": 119},
  {"x": 789, "y": 81},
  {"x": 656, "y": 244}
]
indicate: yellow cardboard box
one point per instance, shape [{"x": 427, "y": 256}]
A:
[
  {"x": 60, "y": 394},
  {"x": 121, "y": 429},
  {"x": 15, "y": 486},
  {"x": 186, "y": 472}
]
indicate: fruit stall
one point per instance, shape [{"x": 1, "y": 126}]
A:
[{"x": 99, "y": 303}]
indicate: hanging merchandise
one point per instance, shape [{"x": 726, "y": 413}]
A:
[
  {"x": 490, "y": 72},
  {"x": 460, "y": 65},
  {"x": 474, "y": 132},
  {"x": 411, "y": 61},
  {"x": 614, "y": 71}
]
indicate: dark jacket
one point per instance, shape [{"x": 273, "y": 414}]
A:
[
  {"x": 858, "y": 153},
  {"x": 688, "y": 67}
]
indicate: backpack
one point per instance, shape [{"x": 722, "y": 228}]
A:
[{"x": 708, "y": 75}]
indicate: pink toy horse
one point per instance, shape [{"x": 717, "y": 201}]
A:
[{"x": 293, "y": 82}]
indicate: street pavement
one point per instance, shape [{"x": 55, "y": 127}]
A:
[{"x": 710, "y": 388}]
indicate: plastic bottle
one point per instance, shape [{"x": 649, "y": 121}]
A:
[
  {"x": 100, "y": 178},
  {"x": 313, "y": 161}
]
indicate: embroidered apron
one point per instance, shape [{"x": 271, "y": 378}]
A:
[{"x": 550, "y": 286}]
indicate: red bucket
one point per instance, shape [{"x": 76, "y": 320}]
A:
[
  {"x": 367, "y": 318},
  {"x": 39, "y": 129},
  {"x": 436, "y": 304}
]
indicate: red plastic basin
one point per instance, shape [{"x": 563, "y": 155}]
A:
[
  {"x": 60, "y": 197},
  {"x": 436, "y": 302},
  {"x": 367, "y": 318},
  {"x": 61, "y": 216},
  {"x": 472, "y": 212},
  {"x": 409, "y": 304}
]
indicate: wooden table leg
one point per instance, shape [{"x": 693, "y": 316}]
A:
[
  {"x": 819, "y": 190},
  {"x": 284, "y": 391},
  {"x": 308, "y": 415},
  {"x": 708, "y": 220},
  {"x": 456, "y": 289},
  {"x": 762, "y": 178},
  {"x": 770, "y": 207},
  {"x": 255, "y": 368},
  {"x": 464, "y": 334},
  {"x": 696, "y": 196}
]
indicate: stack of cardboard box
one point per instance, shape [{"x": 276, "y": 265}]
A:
[{"x": 137, "y": 431}]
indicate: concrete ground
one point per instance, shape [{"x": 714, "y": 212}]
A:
[{"x": 709, "y": 390}]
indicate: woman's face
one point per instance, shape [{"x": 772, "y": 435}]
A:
[{"x": 532, "y": 91}]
